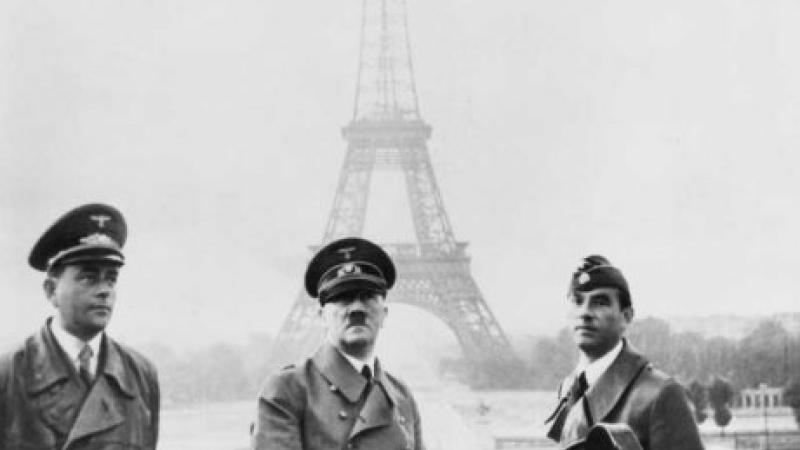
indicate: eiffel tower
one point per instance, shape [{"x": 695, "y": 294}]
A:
[{"x": 387, "y": 133}]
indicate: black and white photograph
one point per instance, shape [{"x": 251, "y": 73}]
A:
[{"x": 386, "y": 224}]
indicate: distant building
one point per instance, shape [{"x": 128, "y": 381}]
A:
[{"x": 760, "y": 398}]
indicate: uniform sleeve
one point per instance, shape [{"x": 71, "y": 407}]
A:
[
  {"x": 3, "y": 403},
  {"x": 280, "y": 411},
  {"x": 672, "y": 426},
  {"x": 418, "y": 442},
  {"x": 5, "y": 377},
  {"x": 155, "y": 407}
]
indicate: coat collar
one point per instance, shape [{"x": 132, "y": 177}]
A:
[
  {"x": 341, "y": 374},
  {"x": 49, "y": 364},
  {"x": 570, "y": 423},
  {"x": 612, "y": 384}
]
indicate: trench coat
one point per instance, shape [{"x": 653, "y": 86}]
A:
[
  {"x": 318, "y": 405},
  {"x": 44, "y": 405},
  {"x": 631, "y": 392}
]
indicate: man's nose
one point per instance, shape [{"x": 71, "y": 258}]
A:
[
  {"x": 357, "y": 304},
  {"x": 581, "y": 309},
  {"x": 104, "y": 289}
]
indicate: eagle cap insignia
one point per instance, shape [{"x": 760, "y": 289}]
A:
[
  {"x": 101, "y": 219},
  {"x": 347, "y": 252},
  {"x": 583, "y": 278}
]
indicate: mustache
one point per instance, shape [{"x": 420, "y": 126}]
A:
[{"x": 357, "y": 318}]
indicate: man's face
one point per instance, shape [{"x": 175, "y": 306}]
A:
[
  {"x": 353, "y": 319},
  {"x": 84, "y": 296},
  {"x": 598, "y": 321}
]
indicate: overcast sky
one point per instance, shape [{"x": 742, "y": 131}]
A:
[{"x": 663, "y": 135}]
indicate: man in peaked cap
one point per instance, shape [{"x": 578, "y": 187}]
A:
[
  {"x": 612, "y": 383},
  {"x": 69, "y": 386},
  {"x": 341, "y": 397}
]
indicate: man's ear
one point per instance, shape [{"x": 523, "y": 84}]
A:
[
  {"x": 49, "y": 286},
  {"x": 321, "y": 313},
  {"x": 628, "y": 313}
]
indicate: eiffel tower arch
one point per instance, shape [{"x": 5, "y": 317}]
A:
[{"x": 387, "y": 133}]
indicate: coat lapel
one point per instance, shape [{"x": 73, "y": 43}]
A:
[
  {"x": 104, "y": 406},
  {"x": 378, "y": 408},
  {"x": 48, "y": 364},
  {"x": 614, "y": 382},
  {"x": 570, "y": 425},
  {"x": 339, "y": 373},
  {"x": 52, "y": 381}
]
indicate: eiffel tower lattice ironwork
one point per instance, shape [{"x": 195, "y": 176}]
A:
[{"x": 386, "y": 132}]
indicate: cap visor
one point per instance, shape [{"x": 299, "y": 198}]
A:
[{"x": 349, "y": 285}]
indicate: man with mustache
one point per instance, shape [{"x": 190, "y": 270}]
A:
[
  {"x": 70, "y": 386},
  {"x": 341, "y": 397},
  {"x": 612, "y": 382}
]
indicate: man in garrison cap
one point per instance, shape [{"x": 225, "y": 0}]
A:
[
  {"x": 69, "y": 386},
  {"x": 612, "y": 383},
  {"x": 341, "y": 397}
]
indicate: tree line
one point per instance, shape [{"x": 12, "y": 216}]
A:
[
  {"x": 768, "y": 354},
  {"x": 712, "y": 369}
]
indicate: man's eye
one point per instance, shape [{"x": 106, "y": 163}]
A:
[{"x": 601, "y": 300}]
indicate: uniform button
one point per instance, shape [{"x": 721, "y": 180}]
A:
[
  {"x": 343, "y": 414},
  {"x": 402, "y": 419},
  {"x": 333, "y": 388}
]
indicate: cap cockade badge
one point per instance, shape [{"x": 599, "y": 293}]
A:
[
  {"x": 349, "y": 269},
  {"x": 583, "y": 278}
]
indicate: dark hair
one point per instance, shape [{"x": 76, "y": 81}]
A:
[
  {"x": 624, "y": 299},
  {"x": 56, "y": 271}
]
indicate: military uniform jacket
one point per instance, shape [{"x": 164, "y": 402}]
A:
[
  {"x": 44, "y": 405},
  {"x": 631, "y": 392},
  {"x": 318, "y": 405}
]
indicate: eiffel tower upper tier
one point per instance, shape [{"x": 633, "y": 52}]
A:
[{"x": 386, "y": 103}]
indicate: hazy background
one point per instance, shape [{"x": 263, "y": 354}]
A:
[{"x": 662, "y": 135}]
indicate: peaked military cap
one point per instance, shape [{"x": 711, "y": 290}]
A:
[
  {"x": 596, "y": 271},
  {"x": 93, "y": 232},
  {"x": 348, "y": 264}
]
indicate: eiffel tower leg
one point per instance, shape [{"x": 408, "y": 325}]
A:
[
  {"x": 350, "y": 204},
  {"x": 301, "y": 332},
  {"x": 427, "y": 209},
  {"x": 445, "y": 288}
]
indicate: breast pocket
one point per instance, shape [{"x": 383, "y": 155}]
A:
[{"x": 405, "y": 423}]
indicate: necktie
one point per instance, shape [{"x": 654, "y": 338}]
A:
[
  {"x": 582, "y": 386},
  {"x": 576, "y": 391},
  {"x": 84, "y": 358},
  {"x": 366, "y": 372},
  {"x": 579, "y": 388}
]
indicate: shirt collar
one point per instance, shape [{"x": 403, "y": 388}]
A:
[
  {"x": 595, "y": 369},
  {"x": 72, "y": 345},
  {"x": 359, "y": 364}
]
